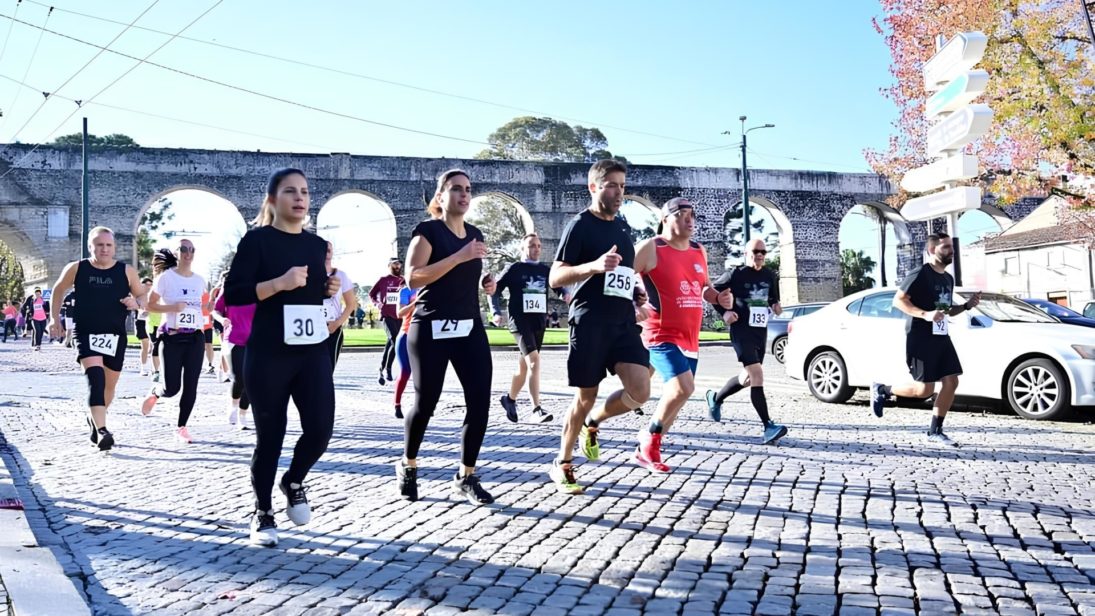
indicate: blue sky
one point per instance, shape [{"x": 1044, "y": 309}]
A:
[
  {"x": 662, "y": 80},
  {"x": 681, "y": 70}
]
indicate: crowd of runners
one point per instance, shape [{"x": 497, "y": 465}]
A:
[{"x": 635, "y": 311}]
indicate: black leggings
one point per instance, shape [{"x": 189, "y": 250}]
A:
[
  {"x": 9, "y": 326},
  {"x": 334, "y": 346},
  {"x": 470, "y": 357},
  {"x": 392, "y": 327},
  {"x": 156, "y": 339},
  {"x": 39, "y": 329},
  {"x": 303, "y": 374},
  {"x": 239, "y": 392},
  {"x": 182, "y": 366}
]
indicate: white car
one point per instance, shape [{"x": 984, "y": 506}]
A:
[{"x": 1010, "y": 351}]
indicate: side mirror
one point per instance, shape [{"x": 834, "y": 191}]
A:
[{"x": 980, "y": 322}]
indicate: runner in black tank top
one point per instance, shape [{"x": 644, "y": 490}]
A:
[{"x": 108, "y": 290}]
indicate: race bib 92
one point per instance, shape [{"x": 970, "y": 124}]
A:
[{"x": 940, "y": 327}]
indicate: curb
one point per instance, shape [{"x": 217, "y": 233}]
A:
[{"x": 34, "y": 580}]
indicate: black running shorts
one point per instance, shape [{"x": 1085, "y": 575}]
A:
[
  {"x": 529, "y": 334},
  {"x": 142, "y": 330},
  {"x": 208, "y": 334},
  {"x": 930, "y": 357},
  {"x": 749, "y": 343},
  {"x": 597, "y": 347},
  {"x": 110, "y": 362}
]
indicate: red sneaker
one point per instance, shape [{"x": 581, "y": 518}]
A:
[{"x": 649, "y": 453}]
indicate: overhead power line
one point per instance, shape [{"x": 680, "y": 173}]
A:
[
  {"x": 817, "y": 162},
  {"x": 389, "y": 82},
  {"x": 7, "y": 37},
  {"x": 173, "y": 119},
  {"x": 45, "y": 95},
  {"x": 30, "y": 63},
  {"x": 109, "y": 85},
  {"x": 272, "y": 97}
]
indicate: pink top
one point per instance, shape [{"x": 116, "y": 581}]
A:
[
  {"x": 239, "y": 319},
  {"x": 40, "y": 310},
  {"x": 10, "y": 312}
]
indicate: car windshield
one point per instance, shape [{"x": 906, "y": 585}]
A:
[
  {"x": 1004, "y": 308},
  {"x": 1058, "y": 311}
]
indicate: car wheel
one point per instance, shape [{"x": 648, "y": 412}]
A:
[
  {"x": 827, "y": 378},
  {"x": 1036, "y": 389},
  {"x": 778, "y": 347}
]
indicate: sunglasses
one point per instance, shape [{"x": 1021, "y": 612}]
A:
[
  {"x": 760, "y": 252},
  {"x": 185, "y": 249}
]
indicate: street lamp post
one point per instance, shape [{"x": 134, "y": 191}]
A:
[{"x": 745, "y": 178}]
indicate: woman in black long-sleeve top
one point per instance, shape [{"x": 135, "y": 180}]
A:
[{"x": 281, "y": 268}]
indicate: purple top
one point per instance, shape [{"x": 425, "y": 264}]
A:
[{"x": 239, "y": 318}]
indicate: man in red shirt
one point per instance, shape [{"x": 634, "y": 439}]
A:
[
  {"x": 674, "y": 271},
  {"x": 385, "y": 293}
]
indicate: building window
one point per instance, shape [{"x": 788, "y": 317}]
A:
[{"x": 1011, "y": 266}]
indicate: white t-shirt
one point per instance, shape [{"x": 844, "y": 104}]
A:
[
  {"x": 173, "y": 288},
  {"x": 333, "y": 306}
]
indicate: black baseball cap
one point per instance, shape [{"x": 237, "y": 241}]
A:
[{"x": 671, "y": 207}]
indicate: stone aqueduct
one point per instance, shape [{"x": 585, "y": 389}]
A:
[{"x": 40, "y": 200}]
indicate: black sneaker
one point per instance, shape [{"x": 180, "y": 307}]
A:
[
  {"x": 541, "y": 415},
  {"x": 380, "y": 378},
  {"x": 106, "y": 439},
  {"x": 264, "y": 532},
  {"x": 470, "y": 489},
  {"x": 389, "y": 377},
  {"x": 407, "y": 476},
  {"x": 94, "y": 431},
  {"x": 296, "y": 506},
  {"x": 878, "y": 398},
  {"x": 398, "y": 411},
  {"x": 511, "y": 407}
]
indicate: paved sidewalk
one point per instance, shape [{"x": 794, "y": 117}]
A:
[{"x": 852, "y": 515}]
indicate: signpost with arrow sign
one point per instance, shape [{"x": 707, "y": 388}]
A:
[{"x": 949, "y": 75}]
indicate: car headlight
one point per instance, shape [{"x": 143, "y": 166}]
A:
[{"x": 1087, "y": 351}]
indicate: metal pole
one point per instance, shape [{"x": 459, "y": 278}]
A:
[
  {"x": 952, "y": 230},
  {"x": 84, "y": 199},
  {"x": 744, "y": 190},
  {"x": 1087, "y": 17}
]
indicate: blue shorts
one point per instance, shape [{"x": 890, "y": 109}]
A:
[{"x": 669, "y": 361}]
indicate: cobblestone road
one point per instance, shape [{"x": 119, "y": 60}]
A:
[{"x": 852, "y": 515}]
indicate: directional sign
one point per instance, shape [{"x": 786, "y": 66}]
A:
[
  {"x": 957, "y": 93},
  {"x": 944, "y": 202},
  {"x": 939, "y": 173},
  {"x": 960, "y": 54},
  {"x": 959, "y": 128}
]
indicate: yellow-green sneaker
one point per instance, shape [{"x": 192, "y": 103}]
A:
[
  {"x": 591, "y": 449},
  {"x": 563, "y": 478}
]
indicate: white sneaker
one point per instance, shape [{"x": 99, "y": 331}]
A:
[
  {"x": 296, "y": 506},
  {"x": 144, "y": 371},
  {"x": 233, "y": 415},
  {"x": 244, "y": 423},
  {"x": 264, "y": 532}
]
